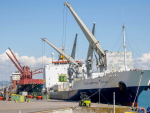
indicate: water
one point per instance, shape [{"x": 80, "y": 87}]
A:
[{"x": 144, "y": 99}]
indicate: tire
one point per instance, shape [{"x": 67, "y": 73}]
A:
[
  {"x": 90, "y": 104},
  {"x": 37, "y": 98},
  {"x": 41, "y": 98},
  {"x": 84, "y": 104}
]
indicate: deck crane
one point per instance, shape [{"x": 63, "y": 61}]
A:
[
  {"x": 26, "y": 76},
  {"x": 71, "y": 65},
  {"x": 90, "y": 57},
  {"x": 74, "y": 67},
  {"x": 74, "y": 47},
  {"x": 90, "y": 37},
  {"x": 25, "y": 72}
]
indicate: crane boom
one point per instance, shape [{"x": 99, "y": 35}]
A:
[
  {"x": 90, "y": 51},
  {"x": 37, "y": 70},
  {"x": 69, "y": 58},
  {"x": 15, "y": 59},
  {"x": 90, "y": 57},
  {"x": 93, "y": 30},
  {"x": 74, "y": 47},
  {"x": 90, "y": 37},
  {"x": 14, "y": 63}
]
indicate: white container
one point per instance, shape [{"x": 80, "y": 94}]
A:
[
  {"x": 55, "y": 87},
  {"x": 23, "y": 93}
]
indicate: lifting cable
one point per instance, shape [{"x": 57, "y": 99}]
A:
[
  {"x": 65, "y": 27},
  {"x": 76, "y": 57},
  {"x": 42, "y": 54}
]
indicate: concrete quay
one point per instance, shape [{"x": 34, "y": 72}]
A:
[{"x": 49, "y": 106}]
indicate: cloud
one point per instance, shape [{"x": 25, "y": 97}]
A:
[
  {"x": 143, "y": 62},
  {"x": 138, "y": 63},
  {"x": 7, "y": 67}
]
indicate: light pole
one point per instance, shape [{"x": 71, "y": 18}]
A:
[
  {"x": 99, "y": 91},
  {"x": 113, "y": 102}
]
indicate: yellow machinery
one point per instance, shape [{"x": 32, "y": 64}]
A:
[{"x": 85, "y": 100}]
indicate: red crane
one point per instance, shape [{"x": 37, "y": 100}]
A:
[{"x": 25, "y": 73}]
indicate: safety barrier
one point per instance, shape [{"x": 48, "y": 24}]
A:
[
  {"x": 45, "y": 96},
  {"x": 15, "y": 97}
]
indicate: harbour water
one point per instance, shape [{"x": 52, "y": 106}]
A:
[{"x": 144, "y": 99}]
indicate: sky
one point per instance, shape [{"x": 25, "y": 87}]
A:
[{"x": 24, "y": 23}]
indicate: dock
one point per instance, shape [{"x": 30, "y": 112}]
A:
[{"x": 53, "y": 106}]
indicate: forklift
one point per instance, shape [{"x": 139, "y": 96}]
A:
[
  {"x": 85, "y": 100},
  {"x": 39, "y": 95},
  {"x": 3, "y": 97}
]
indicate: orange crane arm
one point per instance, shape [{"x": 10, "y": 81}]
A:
[
  {"x": 16, "y": 59},
  {"x": 14, "y": 63},
  {"x": 36, "y": 70}
]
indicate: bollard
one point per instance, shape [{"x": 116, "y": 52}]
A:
[{"x": 114, "y": 102}]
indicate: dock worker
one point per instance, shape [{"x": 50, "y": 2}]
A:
[{"x": 25, "y": 99}]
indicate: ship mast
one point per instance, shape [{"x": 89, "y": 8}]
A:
[{"x": 124, "y": 48}]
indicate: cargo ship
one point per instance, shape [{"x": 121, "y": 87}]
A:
[
  {"x": 116, "y": 74},
  {"x": 127, "y": 85},
  {"x": 15, "y": 87},
  {"x": 22, "y": 79}
]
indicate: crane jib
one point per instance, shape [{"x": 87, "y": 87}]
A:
[
  {"x": 90, "y": 37},
  {"x": 69, "y": 58}
]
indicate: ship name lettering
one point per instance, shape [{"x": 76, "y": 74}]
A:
[{"x": 90, "y": 83}]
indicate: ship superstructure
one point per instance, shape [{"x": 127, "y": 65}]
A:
[
  {"x": 59, "y": 68},
  {"x": 53, "y": 71},
  {"x": 14, "y": 78}
]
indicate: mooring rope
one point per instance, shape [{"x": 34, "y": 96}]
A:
[
  {"x": 137, "y": 89},
  {"x": 94, "y": 93},
  {"x": 99, "y": 90}
]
